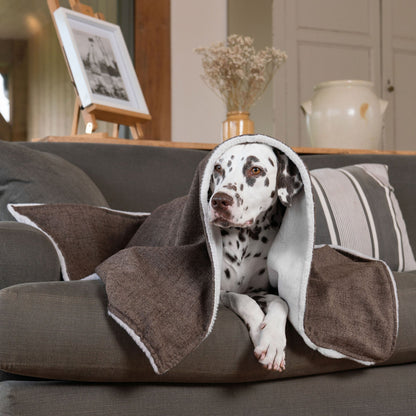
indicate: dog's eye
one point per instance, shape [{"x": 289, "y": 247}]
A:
[
  {"x": 255, "y": 171},
  {"x": 217, "y": 168}
]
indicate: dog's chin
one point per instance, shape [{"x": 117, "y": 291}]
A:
[
  {"x": 224, "y": 223},
  {"x": 221, "y": 222}
]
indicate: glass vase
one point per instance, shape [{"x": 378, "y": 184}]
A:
[{"x": 236, "y": 124}]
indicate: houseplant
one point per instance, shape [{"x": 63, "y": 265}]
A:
[{"x": 239, "y": 75}]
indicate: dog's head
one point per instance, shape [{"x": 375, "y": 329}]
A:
[{"x": 247, "y": 180}]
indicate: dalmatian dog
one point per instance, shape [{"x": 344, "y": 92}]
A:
[{"x": 251, "y": 186}]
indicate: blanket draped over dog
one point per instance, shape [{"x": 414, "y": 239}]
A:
[{"x": 164, "y": 288}]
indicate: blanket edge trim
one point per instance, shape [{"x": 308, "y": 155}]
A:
[{"x": 137, "y": 340}]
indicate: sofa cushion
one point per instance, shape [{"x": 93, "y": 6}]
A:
[
  {"x": 356, "y": 208},
  {"x": 26, "y": 254},
  {"x": 27, "y": 175},
  {"x": 83, "y": 235},
  {"x": 61, "y": 330}
]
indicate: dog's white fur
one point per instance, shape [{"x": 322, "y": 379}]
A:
[{"x": 245, "y": 181}]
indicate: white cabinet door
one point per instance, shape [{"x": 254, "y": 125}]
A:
[
  {"x": 399, "y": 72},
  {"x": 325, "y": 40}
]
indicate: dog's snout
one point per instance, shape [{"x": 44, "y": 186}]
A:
[{"x": 221, "y": 200}]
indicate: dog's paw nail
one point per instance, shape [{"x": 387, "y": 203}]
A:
[{"x": 263, "y": 325}]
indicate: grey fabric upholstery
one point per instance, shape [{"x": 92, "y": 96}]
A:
[
  {"x": 26, "y": 255},
  {"x": 383, "y": 391},
  {"x": 60, "y": 329},
  {"x": 65, "y": 334},
  {"x": 132, "y": 178},
  {"x": 27, "y": 175}
]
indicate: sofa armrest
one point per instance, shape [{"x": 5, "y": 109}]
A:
[{"x": 26, "y": 255}]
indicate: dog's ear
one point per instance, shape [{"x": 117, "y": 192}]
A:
[{"x": 288, "y": 182}]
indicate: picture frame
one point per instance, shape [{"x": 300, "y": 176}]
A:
[{"x": 99, "y": 61}]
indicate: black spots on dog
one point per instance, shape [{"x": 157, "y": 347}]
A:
[
  {"x": 266, "y": 182},
  {"x": 224, "y": 232},
  {"x": 271, "y": 162},
  {"x": 254, "y": 233},
  {"x": 231, "y": 187},
  {"x": 218, "y": 173},
  {"x": 251, "y": 178},
  {"x": 272, "y": 194},
  {"x": 261, "y": 271},
  {"x": 237, "y": 243},
  {"x": 227, "y": 273},
  {"x": 257, "y": 255},
  {"x": 230, "y": 257},
  {"x": 241, "y": 187},
  {"x": 241, "y": 236},
  {"x": 252, "y": 159},
  {"x": 229, "y": 163},
  {"x": 264, "y": 219},
  {"x": 264, "y": 240},
  {"x": 239, "y": 200}
]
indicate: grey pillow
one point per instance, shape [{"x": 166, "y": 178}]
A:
[
  {"x": 27, "y": 175},
  {"x": 356, "y": 208}
]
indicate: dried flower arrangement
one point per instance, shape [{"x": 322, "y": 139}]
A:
[{"x": 237, "y": 73}]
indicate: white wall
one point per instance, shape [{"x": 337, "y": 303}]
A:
[
  {"x": 254, "y": 18},
  {"x": 197, "y": 113}
]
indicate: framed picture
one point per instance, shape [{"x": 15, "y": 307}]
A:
[{"x": 99, "y": 61}]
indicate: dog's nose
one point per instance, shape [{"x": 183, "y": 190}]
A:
[{"x": 221, "y": 200}]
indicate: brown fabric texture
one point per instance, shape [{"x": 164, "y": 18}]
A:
[
  {"x": 84, "y": 235},
  {"x": 344, "y": 298},
  {"x": 169, "y": 276},
  {"x": 162, "y": 289}
]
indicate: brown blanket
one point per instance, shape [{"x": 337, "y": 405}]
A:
[{"x": 163, "y": 289}]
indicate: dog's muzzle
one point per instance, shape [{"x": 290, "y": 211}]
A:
[{"x": 220, "y": 204}]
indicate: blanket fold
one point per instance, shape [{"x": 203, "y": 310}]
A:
[{"x": 163, "y": 288}]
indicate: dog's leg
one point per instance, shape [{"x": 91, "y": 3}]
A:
[
  {"x": 270, "y": 350},
  {"x": 248, "y": 310}
]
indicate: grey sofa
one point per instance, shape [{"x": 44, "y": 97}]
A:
[{"x": 60, "y": 354}]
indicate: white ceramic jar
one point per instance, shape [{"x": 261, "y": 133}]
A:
[{"x": 345, "y": 114}]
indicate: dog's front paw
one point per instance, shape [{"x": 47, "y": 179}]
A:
[{"x": 270, "y": 350}]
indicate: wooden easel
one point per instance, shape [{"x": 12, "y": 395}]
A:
[{"x": 95, "y": 112}]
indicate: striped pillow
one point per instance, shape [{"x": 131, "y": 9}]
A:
[{"x": 356, "y": 208}]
